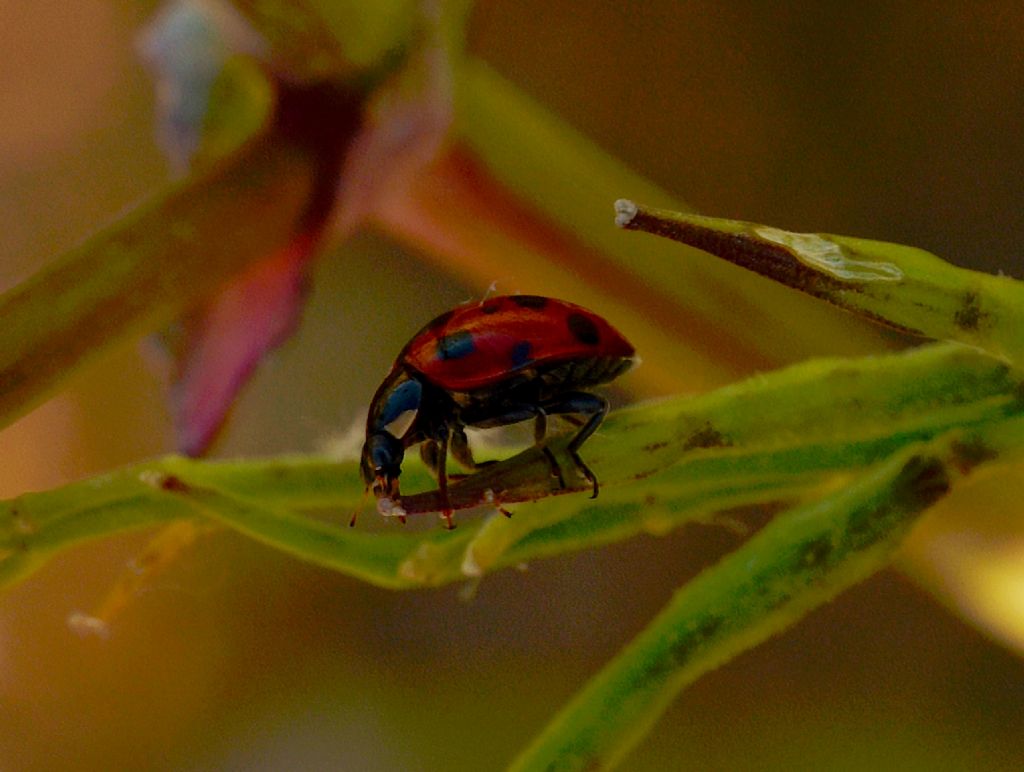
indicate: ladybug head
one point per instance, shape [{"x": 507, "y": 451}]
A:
[{"x": 381, "y": 463}]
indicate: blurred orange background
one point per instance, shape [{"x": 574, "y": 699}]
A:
[{"x": 898, "y": 122}]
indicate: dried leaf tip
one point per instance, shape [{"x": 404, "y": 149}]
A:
[{"x": 625, "y": 211}]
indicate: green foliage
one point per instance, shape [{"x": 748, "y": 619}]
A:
[
  {"x": 797, "y": 562},
  {"x": 661, "y": 465},
  {"x": 150, "y": 266},
  {"x": 855, "y": 449},
  {"x": 904, "y": 287}
]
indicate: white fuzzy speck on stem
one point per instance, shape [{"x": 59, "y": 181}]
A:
[{"x": 625, "y": 211}]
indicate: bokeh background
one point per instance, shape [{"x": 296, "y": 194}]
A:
[{"x": 898, "y": 121}]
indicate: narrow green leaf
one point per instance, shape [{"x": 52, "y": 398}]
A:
[
  {"x": 367, "y": 556},
  {"x": 826, "y": 403},
  {"x": 799, "y": 561},
  {"x": 903, "y": 287},
  {"x": 569, "y": 180},
  {"x": 660, "y": 464}
]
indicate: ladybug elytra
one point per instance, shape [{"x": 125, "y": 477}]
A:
[{"x": 501, "y": 361}]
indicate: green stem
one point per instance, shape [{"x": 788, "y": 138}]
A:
[
  {"x": 796, "y": 563},
  {"x": 558, "y": 176},
  {"x": 695, "y": 456},
  {"x": 172, "y": 252}
]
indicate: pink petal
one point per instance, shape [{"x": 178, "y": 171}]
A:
[
  {"x": 220, "y": 345},
  {"x": 367, "y": 158}
]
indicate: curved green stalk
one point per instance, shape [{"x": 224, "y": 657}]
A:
[
  {"x": 156, "y": 261},
  {"x": 696, "y": 456},
  {"x": 801, "y": 560}
]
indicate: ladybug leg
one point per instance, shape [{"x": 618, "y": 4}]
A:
[
  {"x": 435, "y": 455},
  {"x": 442, "y": 480},
  {"x": 539, "y": 414},
  {"x": 459, "y": 446},
  {"x": 540, "y": 431},
  {"x": 430, "y": 453},
  {"x": 540, "y": 426},
  {"x": 583, "y": 404},
  {"x": 556, "y": 469},
  {"x": 462, "y": 453},
  {"x": 515, "y": 413}
]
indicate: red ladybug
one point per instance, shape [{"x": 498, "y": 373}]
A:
[{"x": 501, "y": 361}]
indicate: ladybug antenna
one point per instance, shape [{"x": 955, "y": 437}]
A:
[{"x": 362, "y": 503}]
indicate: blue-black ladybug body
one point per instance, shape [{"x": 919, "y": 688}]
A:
[{"x": 500, "y": 361}]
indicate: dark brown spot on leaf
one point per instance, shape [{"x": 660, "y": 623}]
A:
[
  {"x": 816, "y": 552},
  {"x": 173, "y": 484},
  {"x": 968, "y": 317},
  {"x": 971, "y": 451},
  {"x": 688, "y": 644},
  {"x": 926, "y": 481},
  {"x": 706, "y": 629},
  {"x": 706, "y": 437},
  {"x": 921, "y": 482},
  {"x": 650, "y": 448},
  {"x": 709, "y": 627}
]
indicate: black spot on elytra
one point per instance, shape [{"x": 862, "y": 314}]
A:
[
  {"x": 520, "y": 355},
  {"x": 968, "y": 316},
  {"x": 490, "y": 307},
  {"x": 530, "y": 301},
  {"x": 583, "y": 329},
  {"x": 455, "y": 346},
  {"x": 440, "y": 321}
]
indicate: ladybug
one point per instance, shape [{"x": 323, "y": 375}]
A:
[{"x": 500, "y": 361}]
